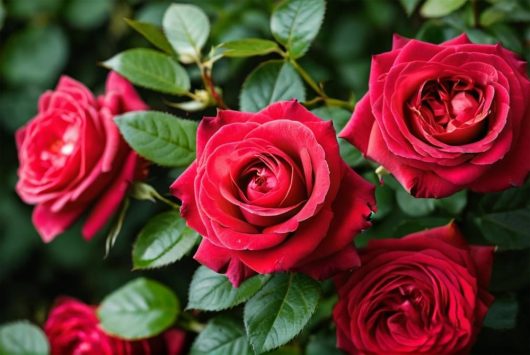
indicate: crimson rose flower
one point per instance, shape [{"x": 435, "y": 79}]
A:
[
  {"x": 423, "y": 294},
  {"x": 269, "y": 192},
  {"x": 445, "y": 117},
  {"x": 73, "y": 328},
  {"x": 72, "y": 157}
]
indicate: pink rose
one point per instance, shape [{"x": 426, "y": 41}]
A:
[
  {"x": 73, "y": 159},
  {"x": 446, "y": 117},
  {"x": 269, "y": 192},
  {"x": 72, "y": 327}
]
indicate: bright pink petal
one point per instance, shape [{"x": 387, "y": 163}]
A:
[
  {"x": 286, "y": 255},
  {"x": 357, "y": 130},
  {"x": 50, "y": 224},
  {"x": 291, "y": 110},
  {"x": 183, "y": 189},
  {"x": 129, "y": 98},
  {"x": 352, "y": 208},
  {"x": 399, "y": 42},
  {"x": 462, "y": 39},
  {"x": 222, "y": 261},
  {"x": 111, "y": 199}
]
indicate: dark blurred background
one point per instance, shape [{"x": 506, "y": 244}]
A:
[{"x": 42, "y": 39}]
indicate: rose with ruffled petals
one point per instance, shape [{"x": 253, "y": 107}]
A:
[
  {"x": 446, "y": 117},
  {"x": 423, "y": 294},
  {"x": 269, "y": 192},
  {"x": 72, "y": 327},
  {"x": 73, "y": 159}
]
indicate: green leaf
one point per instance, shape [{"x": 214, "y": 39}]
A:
[
  {"x": 479, "y": 36},
  {"x": 164, "y": 240},
  {"x": 140, "y": 309},
  {"x": 405, "y": 227},
  {"x": 415, "y": 207},
  {"x": 491, "y": 15},
  {"x": 88, "y": 14},
  {"x": 323, "y": 312},
  {"x": 507, "y": 200},
  {"x": 321, "y": 344},
  {"x": 222, "y": 336},
  {"x": 2, "y": 14},
  {"x": 340, "y": 117},
  {"x": 152, "y": 33},
  {"x": 34, "y": 56},
  {"x": 505, "y": 11},
  {"x": 507, "y": 36},
  {"x": 22, "y": 338},
  {"x": 160, "y": 137},
  {"x": 289, "y": 349},
  {"x": 507, "y": 230},
  {"x": 186, "y": 28},
  {"x": 295, "y": 23},
  {"x": 503, "y": 312},
  {"x": 454, "y": 204},
  {"x": 409, "y": 5},
  {"x": 28, "y": 9},
  {"x": 384, "y": 195},
  {"x": 151, "y": 69},
  {"x": 247, "y": 47},
  {"x": 210, "y": 291},
  {"x": 439, "y": 8},
  {"x": 270, "y": 82},
  {"x": 280, "y": 310},
  {"x": 19, "y": 105}
]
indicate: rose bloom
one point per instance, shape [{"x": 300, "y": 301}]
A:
[
  {"x": 73, "y": 159},
  {"x": 73, "y": 328},
  {"x": 445, "y": 117},
  {"x": 269, "y": 192},
  {"x": 423, "y": 294}
]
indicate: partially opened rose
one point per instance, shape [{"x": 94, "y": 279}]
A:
[
  {"x": 423, "y": 294},
  {"x": 72, "y": 327},
  {"x": 269, "y": 192},
  {"x": 445, "y": 117},
  {"x": 73, "y": 159}
]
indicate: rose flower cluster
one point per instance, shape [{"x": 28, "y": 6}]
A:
[{"x": 269, "y": 192}]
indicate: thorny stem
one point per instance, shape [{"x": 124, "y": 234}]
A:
[
  {"x": 322, "y": 96},
  {"x": 307, "y": 78},
  {"x": 206, "y": 76},
  {"x": 167, "y": 202},
  {"x": 187, "y": 322},
  {"x": 313, "y": 101},
  {"x": 476, "y": 17}
]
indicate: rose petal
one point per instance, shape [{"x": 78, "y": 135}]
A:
[
  {"x": 183, "y": 189},
  {"x": 50, "y": 224},
  {"x": 111, "y": 199}
]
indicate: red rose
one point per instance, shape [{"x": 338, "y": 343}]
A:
[
  {"x": 423, "y": 294},
  {"x": 73, "y": 328},
  {"x": 269, "y": 192},
  {"x": 72, "y": 157},
  {"x": 446, "y": 117}
]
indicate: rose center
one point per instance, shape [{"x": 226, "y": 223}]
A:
[
  {"x": 57, "y": 150},
  {"x": 453, "y": 110},
  {"x": 410, "y": 296},
  {"x": 260, "y": 180},
  {"x": 406, "y": 305}
]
